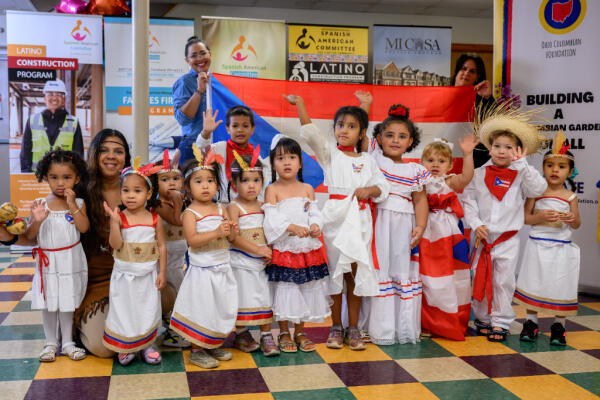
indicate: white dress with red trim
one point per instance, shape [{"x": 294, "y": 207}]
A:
[
  {"x": 176, "y": 248},
  {"x": 298, "y": 269},
  {"x": 347, "y": 223},
  {"x": 206, "y": 307},
  {"x": 60, "y": 277},
  {"x": 134, "y": 314},
  {"x": 394, "y": 315},
  {"x": 444, "y": 265},
  {"x": 549, "y": 272},
  {"x": 254, "y": 294}
]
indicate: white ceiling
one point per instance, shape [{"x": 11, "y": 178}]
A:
[{"x": 454, "y": 8}]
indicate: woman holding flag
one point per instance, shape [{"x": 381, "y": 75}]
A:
[{"x": 190, "y": 97}]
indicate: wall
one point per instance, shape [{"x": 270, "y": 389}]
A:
[{"x": 478, "y": 31}]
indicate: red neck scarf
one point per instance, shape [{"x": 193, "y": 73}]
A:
[
  {"x": 498, "y": 180},
  {"x": 350, "y": 149},
  {"x": 249, "y": 150}
]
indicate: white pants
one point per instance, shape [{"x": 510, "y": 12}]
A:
[{"x": 504, "y": 260}]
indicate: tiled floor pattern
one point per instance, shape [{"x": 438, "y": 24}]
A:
[{"x": 434, "y": 368}]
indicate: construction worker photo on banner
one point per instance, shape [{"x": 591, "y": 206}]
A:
[{"x": 51, "y": 128}]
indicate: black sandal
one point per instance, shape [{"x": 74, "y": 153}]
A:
[
  {"x": 479, "y": 326},
  {"x": 502, "y": 333},
  {"x": 557, "y": 335},
  {"x": 529, "y": 332}
]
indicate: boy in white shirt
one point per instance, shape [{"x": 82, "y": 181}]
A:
[{"x": 493, "y": 205}]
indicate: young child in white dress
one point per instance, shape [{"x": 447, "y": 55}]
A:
[
  {"x": 444, "y": 262},
  {"x": 170, "y": 183},
  {"x": 394, "y": 315},
  {"x": 206, "y": 308},
  {"x": 549, "y": 272},
  {"x": 298, "y": 268},
  {"x": 355, "y": 184},
  {"x": 60, "y": 277},
  {"x": 139, "y": 273},
  {"x": 249, "y": 256}
]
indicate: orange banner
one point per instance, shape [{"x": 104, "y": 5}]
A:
[
  {"x": 127, "y": 110},
  {"x": 25, "y": 50}
]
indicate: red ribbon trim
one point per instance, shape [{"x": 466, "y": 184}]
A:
[
  {"x": 44, "y": 261},
  {"x": 483, "y": 284},
  {"x": 363, "y": 205}
]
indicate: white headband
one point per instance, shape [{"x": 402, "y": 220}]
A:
[
  {"x": 444, "y": 141},
  {"x": 276, "y": 140}
]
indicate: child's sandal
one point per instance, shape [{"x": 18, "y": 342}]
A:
[
  {"x": 267, "y": 346},
  {"x": 125, "y": 358},
  {"x": 558, "y": 337},
  {"x": 305, "y": 345},
  {"x": 353, "y": 339},
  {"x": 286, "y": 345},
  {"x": 529, "y": 332},
  {"x": 481, "y": 326},
  {"x": 48, "y": 353},
  {"x": 73, "y": 352},
  {"x": 335, "y": 340},
  {"x": 151, "y": 356},
  {"x": 497, "y": 332}
]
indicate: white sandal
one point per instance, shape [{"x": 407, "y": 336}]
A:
[
  {"x": 74, "y": 353},
  {"x": 48, "y": 353}
]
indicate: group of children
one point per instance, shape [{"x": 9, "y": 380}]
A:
[{"x": 395, "y": 263}]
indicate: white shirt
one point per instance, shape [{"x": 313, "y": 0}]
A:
[{"x": 483, "y": 208}]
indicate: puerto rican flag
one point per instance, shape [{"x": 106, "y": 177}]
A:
[
  {"x": 501, "y": 183},
  {"x": 437, "y": 111}
]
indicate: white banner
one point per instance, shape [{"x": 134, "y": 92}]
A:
[
  {"x": 550, "y": 59},
  {"x": 411, "y": 56},
  {"x": 31, "y": 34},
  {"x": 167, "y": 38}
]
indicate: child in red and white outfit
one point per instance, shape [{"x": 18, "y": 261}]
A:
[{"x": 493, "y": 205}]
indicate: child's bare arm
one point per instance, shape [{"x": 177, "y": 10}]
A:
[
  {"x": 115, "y": 239},
  {"x": 197, "y": 239},
  {"x": 161, "y": 280},
  {"x": 467, "y": 144},
  {"x": 300, "y": 106},
  {"x": 421, "y": 214}
]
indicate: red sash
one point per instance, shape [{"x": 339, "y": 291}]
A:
[
  {"x": 45, "y": 261},
  {"x": 483, "y": 284},
  {"x": 443, "y": 201},
  {"x": 249, "y": 150},
  {"x": 498, "y": 180},
  {"x": 363, "y": 205}
]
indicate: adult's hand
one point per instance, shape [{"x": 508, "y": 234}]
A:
[{"x": 484, "y": 89}]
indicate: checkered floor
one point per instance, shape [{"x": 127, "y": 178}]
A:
[{"x": 434, "y": 368}]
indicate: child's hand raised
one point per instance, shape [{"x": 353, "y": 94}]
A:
[
  {"x": 364, "y": 97},
  {"x": 38, "y": 211},
  {"x": 210, "y": 121},
  {"x": 293, "y": 99},
  {"x": 468, "y": 143},
  {"x": 113, "y": 214},
  {"x": 416, "y": 235},
  {"x": 519, "y": 153}
]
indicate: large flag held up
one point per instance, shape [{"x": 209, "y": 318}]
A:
[{"x": 438, "y": 111}]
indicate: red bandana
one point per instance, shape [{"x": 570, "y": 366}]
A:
[
  {"x": 347, "y": 148},
  {"x": 498, "y": 180},
  {"x": 249, "y": 150}
]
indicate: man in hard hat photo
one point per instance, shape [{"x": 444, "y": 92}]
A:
[{"x": 51, "y": 128}]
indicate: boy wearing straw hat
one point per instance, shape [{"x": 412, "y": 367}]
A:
[{"x": 493, "y": 205}]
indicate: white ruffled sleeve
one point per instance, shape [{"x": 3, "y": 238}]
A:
[
  {"x": 314, "y": 215},
  {"x": 318, "y": 143},
  {"x": 275, "y": 223},
  {"x": 422, "y": 177},
  {"x": 377, "y": 179}
]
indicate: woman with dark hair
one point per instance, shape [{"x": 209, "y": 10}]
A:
[
  {"x": 470, "y": 71},
  {"x": 189, "y": 96}
]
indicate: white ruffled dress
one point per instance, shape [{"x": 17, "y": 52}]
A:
[{"x": 298, "y": 269}]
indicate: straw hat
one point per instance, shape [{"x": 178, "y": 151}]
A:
[{"x": 503, "y": 117}]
